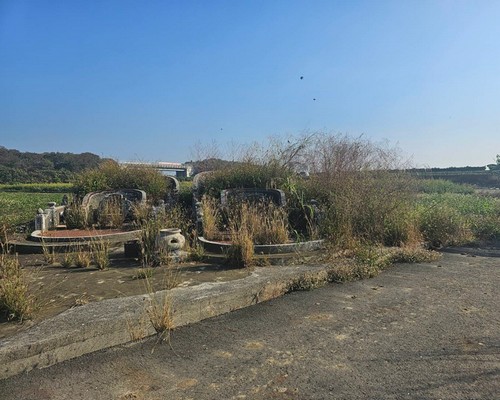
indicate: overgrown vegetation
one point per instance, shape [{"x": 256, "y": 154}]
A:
[
  {"x": 153, "y": 253},
  {"x": 358, "y": 195},
  {"x": 356, "y": 192},
  {"x": 346, "y": 190},
  {"x": 454, "y": 219}
]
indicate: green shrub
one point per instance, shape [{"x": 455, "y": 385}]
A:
[
  {"x": 111, "y": 176},
  {"x": 372, "y": 206}
]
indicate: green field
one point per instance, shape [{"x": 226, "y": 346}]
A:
[
  {"x": 37, "y": 187},
  {"x": 20, "y": 207}
]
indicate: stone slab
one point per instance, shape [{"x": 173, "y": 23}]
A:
[{"x": 108, "y": 323}]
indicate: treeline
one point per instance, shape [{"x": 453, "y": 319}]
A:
[
  {"x": 26, "y": 167},
  {"x": 450, "y": 169}
]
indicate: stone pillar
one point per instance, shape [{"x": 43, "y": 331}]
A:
[
  {"x": 41, "y": 221},
  {"x": 52, "y": 216}
]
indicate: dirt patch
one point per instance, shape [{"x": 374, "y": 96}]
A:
[
  {"x": 78, "y": 233},
  {"x": 58, "y": 289}
]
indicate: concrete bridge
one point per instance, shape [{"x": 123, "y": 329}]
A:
[{"x": 181, "y": 170}]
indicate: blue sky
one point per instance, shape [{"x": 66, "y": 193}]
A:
[{"x": 148, "y": 80}]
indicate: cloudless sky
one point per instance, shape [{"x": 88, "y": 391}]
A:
[{"x": 148, "y": 80}]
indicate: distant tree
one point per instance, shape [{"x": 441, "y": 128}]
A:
[{"x": 26, "y": 167}]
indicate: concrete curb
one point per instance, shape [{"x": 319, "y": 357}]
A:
[{"x": 108, "y": 323}]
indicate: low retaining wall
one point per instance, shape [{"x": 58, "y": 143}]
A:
[{"x": 283, "y": 248}]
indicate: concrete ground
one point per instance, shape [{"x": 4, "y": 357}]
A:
[{"x": 421, "y": 331}]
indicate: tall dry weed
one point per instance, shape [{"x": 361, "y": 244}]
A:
[
  {"x": 16, "y": 301},
  {"x": 211, "y": 218}
]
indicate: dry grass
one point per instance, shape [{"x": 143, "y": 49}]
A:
[
  {"x": 49, "y": 255},
  {"x": 111, "y": 215},
  {"x": 241, "y": 252},
  {"x": 159, "y": 308},
  {"x": 150, "y": 229},
  {"x": 137, "y": 331},
  {"x": 16, "y": 301},
  {"x": 83, "y": 257},
  {"x": 367, "y": 261},
  {"x": 76, "y": 217},
  {"x": 265, "y": 222},
  {"x": 100, "y": 253},
  {"x": 211, "y": 218}
]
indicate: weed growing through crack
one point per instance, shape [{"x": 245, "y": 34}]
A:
[
  {"x": 68, "y": 260},
  {"x": 144, "y": 273},
  {"x": 367, "y": 261},
  {"x": 160, "y": 315},
  {"x": 49, "y": 255},
  {"x": 83, "y": 257},
  {"x": 159, "y": 308}
]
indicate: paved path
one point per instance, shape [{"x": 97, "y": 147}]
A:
[{"x": 415, "y": 332}]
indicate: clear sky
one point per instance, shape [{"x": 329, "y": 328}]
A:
[{"x": 147, "y": 80}]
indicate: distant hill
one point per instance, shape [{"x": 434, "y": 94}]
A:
[{"x": 25, "y": 167}]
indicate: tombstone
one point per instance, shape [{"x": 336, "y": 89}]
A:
[
  {"x": 133, "y": 195},
  {"x": 108, "y": 206},
  {"x": 131, "y": 198},
  {"x": 198, "y": 184},
  {"x": 252, "y": 195},
  {"x": 173, "y": 186},
  {"x": 93, "y": 202},
  {"x": 40, "y": 221},
  {"x": 90, "y": 204}
]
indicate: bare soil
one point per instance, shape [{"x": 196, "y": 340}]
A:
[{"x": 78, "y": 233}]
